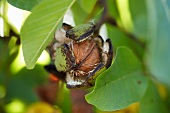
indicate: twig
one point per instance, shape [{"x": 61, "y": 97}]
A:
[{"x": 103, "y": 17}]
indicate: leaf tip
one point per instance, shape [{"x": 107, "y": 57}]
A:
[{"x": 29, "y": 65}]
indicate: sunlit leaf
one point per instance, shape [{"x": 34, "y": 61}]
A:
[
  {"x": 125, "y": 15},
  {"x": 6, "y": 27},
  {"x": 39, "y": 28},
  {"x": 158, "y": 54},
  {"x": 24, "y": 4},
  {"x": 121, "y": 85}
]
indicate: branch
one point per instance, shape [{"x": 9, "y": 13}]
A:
[{"x": 103, "y": 17}]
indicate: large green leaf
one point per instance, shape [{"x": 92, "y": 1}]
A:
[
  {"x": 121, "y": 85},
  {"x": 24, "y": 4},
  {"x": 39, "y": 28},
  {"x": 158, "y": 54},
  {"x": 151, "y": 102}
]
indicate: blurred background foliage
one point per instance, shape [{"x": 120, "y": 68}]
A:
[{"x": 142, "y": 26}]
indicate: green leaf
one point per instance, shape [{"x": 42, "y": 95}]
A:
[
  {"x": 6, "y": 27},
  {"x": 87, "y": 6},
  {"x": 23, "y": 84},
  {"x": 151, "y": 102},
  {"x": 139, "y": 17},
  {"x": 158, "y": 55},
  {"x": 112, "y": 9},
  {"x": 40, "y": 26},
  {"x": 125, "y": 15},
  {"x": 79, "y": 14},
  {"x": 121, "y": 85},
  {"x": 119, "y": 38},
  {"x": 24, "y": 4}
]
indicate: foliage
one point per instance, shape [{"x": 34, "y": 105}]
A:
[
  {"x": 26, "y": 5},
  {"x": 139, "y": 31},
  {"x": 113, "y": 87},
  {"x": 41, "y": 31}
]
